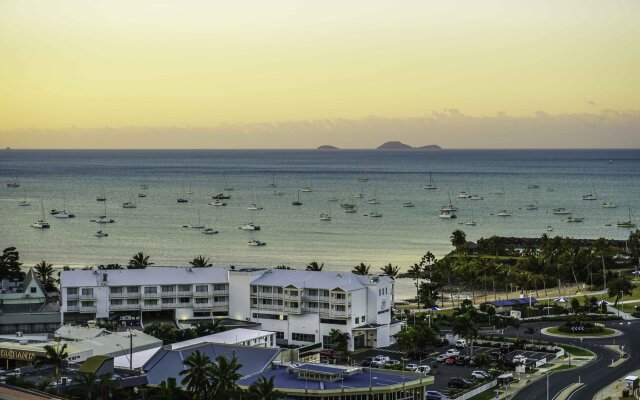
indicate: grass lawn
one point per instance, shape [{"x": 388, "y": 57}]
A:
[
  {"x": 486, "y": 395},
  {"x": 576, "y": 351},
  {"x": 635, "y": 293},
  {"x": 556, "y": 330},
  {"x": 563, "y": 367}
]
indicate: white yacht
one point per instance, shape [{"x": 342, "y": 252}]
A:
[
  {"x": 250, "y": 227},
  {"x": 306, "y": 189},
  {"x": 199, "y": 225},
  {"x": 42, "y": 222},
  {"x": 332, "y": 198},
  {"x": 351, "y": 210},
  {"x": 278, "y": 193},
  {"x": 362, "y": 179},
  {"x": 103, "y": 220},
  {"x": 450, "y": 207},
  {"x": 64, "y": 214},
  {"x": 408, "y": 204},
  {"x": 503, "y": 213},
  {"x": 549, "y": 228},
  {"x": 609, "y": 204},
  {"x": 218, "y": 203},
  {"x": 589, "y": 197},
  {"x": 100, "y": 234},
  {"x": 256, "y": 243},
  {"x": 144, "y": 186},
  {"x": 561, "y": 211},
  {"x": 463, "y": 195},
  {"x": 359, "y": 196},
  {"x": 254, "y": 206},
  {"x": 472, "y": 221},
  {"x": 430, "y": 185},
  {"x": 373, "y": 200},
  {"x": 627, "y": 224},
  {"x": 475, "y": 197},
  {"x": 447, "y": 214}
]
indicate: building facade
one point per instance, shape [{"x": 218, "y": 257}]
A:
[{"x": 301, "y": 307}]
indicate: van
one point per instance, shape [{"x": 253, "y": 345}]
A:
[{"x": 461, "y": 344}]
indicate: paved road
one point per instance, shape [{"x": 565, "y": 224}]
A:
[{"x": 596, "y": 375}]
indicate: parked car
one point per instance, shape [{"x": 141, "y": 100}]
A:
[
  {"x": 463, "y": 360},
  {"x": 423, "y": 369},
  {"x": 480, "y": 375},
  {"x": 328, "y": 353},
  {"x": 442, "y": 357},
  {"x": 367, "y": 362},
  {"x": 392, "y": 362},
  {"x": 506, "y": 348},
  {"x": 495, "y": 354},
  {"x": 459, "y": 383},
  {"x": 411, "y": 367},
  {"x": 453, "y": 352},
  {"x": 441, "y": 342},
  {"x": 461, "y": 344},
  {"x": 451, "y": 360},
  {"x": 434, "y": 395},
  {"x": 377, "y": 364},
  {"x": 382, "y": 358}
]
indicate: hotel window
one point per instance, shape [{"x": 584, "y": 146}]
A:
[
  {"x": 202, "y": 301},
  {"x": 72, "y": 291},
  {"x": 33, "y": 290},
  {"x": 254, "y": 302},
  {"x": 312, "y": 292},
  {"x": 279, "y": 290},
  {"x": 267, "y": 289},
  {"x": 116, "y": 302},
  {"x": 303, "y": 337},
  {"x": 133, "y": 289},
  {"x": 87, "y": 291},
  {"x": 221, "y": 286},
  {"x": 184, "y": 300},
  {"x": 340, "y": 296},
  {"x": 202, "y": 288},
  {"x": 293, "y": 292},
  {"x": 293, "y": 304},
  {"x": 357, "y": 320},
  {"x": 72, "y": 303},
  {"x": 150, "y": 289},
  {"x": 151, "y": 302},
  {"x": 254, "y": 289},
  {"x": 168, "y": 300},
  {"x": 184, "y": 288},
  {"x": 87, "y": 304},
  {"x": 116, "y": 290},
  {"x": 339, "y": 308},
  {"x": 312, "y": 304},
  {"x": 222, "y": 299},
  {"x": 363, "y": 319},
  {"x": 133, "y": 302},
  {"x": 168, "y": 288},
  {"x": 279, "y": 335}
]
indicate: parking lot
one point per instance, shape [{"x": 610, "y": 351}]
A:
[{"x": 442, "y": 372}]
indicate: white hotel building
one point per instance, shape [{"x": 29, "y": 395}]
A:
[{"x": 302, "y": 307}]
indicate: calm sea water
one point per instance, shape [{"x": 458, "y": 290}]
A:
[{"x": 295, "y": 235}]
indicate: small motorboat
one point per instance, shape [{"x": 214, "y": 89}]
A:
[
  {"x": 278, "y": 193},
  {"x": 531, "y": 207},
  {"x": 359, "y": 196},
  {"x": 221, "y": 196},
  {"x": 350, "y": 210},
  {"x": 256, "y": 243},
  {"x": 54, "y": 211},
  {"x": 254, "y": 206},
  {"x": 475, "y": 197},
  {"x": 332, "y": 198},
  {"x": 217, "y": 203},
  {"x": 129, "y": 204},
  {"x": 373, "y": 200},
  {"x": 561, "y": 211},
  {"x": 182, "y": 200},
  {"x": 209, "y": 231},
  {"x": 100, "y": 234},
  {"x": 549, "y": 228},
  {"x": 503, "y": 213},
  {"x": 101, "y": 198},
  {"x": 408, "y": 204},
  {"x": 572, "y": 219},
  {"x": 375, "y": 214},
  {"x": 325, "y": 217},
  {"x": 250, "y": 227},
  {"x": 590, "y": 197},
  {"x": 463, "y": 195},
  {"x": 144, "y": 186},
  {"x": 609, "y": 204},
  {"x": 103, "y": 220},
  {"x": 142, "y": 195},
  {"x": 23, "y": 203},
  {"x": 64, "y": 214}
]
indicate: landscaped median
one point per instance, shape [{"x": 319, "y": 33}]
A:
[{"x": 559, "y": 332}]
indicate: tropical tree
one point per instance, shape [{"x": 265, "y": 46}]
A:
[
  {"x": 109, "y": 266},
  {"x": 10, "y": 265},
  {"x": 282, "y": 267},
  {"x": 464, "y": 326},
  {"x": 458, "y": 239},
  {"x": 86, "y": 384},
  {"x": 339, "y": 340},
  {"x": 361, "y": 269},
  {"x": 601, "y": 247},
  {"x": 264, "y": 389},
  {"x": 44, "y": 273},
  {"x": 107, "y": 386},
  {"x": 618, "y": 286},
  {"x": 415, "y": 272},
  {"x": 168, "y": 390},
  {"x": 223, "y": 375},
  {"x": 634, "y": 246},
  {"x": 314, "y": 266},
  {"x": 415, "y": 338},
  {"x": 208, "y": 327},
  {"x": 200, "y": 262},
  {"x": 56, "y": 356},
  {"x": 391, "y": 271},
  {"x": 139, "y": 261},
  {"x": 196, "y": 375}
]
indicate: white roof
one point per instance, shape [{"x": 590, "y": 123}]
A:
[
  {"x": 71, "y": 332},
  {"x": 117, "y": 343},
  {"x": 233, "y": 336},
  {"x": 148, "y": 276},
  {"x": 316, "y": 279},
  {"x": 139, "y": 358}
]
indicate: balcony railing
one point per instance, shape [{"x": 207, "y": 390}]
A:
[
  {"x": 73, "y": 308},
  {"x": 87, "y": 309},
  {"x": 116, "y": 307},
  {"x": 87, "y": 296},
  {"x": 168, "y": 294},
  {"x": 338, "y": 300},
  {"x": 292, "y": 309},
  {"x": 185, "y": 292},
  {"x": 72, "y": 296},
  {"x": 322, "y": 299},
  {"x": 201, "y": 294},
  {"x": 339, "y": 313},
  {"x": 224, "y": 292},
  {"x": 201, "y": 305},
  {"x": 184, "y": 305},
  {"x": 151, "y": 295},
  {"x": 290, "y": 297},
  {"x": 275, "y": 307},
  {"x": 151, "y": 306},
  {"x": 167, "y": 306}
]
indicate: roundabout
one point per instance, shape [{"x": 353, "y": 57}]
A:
[{"x": 555, "y": 331}]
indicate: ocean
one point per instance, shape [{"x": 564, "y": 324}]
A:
[{"x": 295, "y": 236}]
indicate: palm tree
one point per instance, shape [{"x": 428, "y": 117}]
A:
[
  {"x": 44, "y": 273},
  {"x": 313, "y": 266},
  {"x": 264, "y": 389},
  {"x": 56, "y": 356},
  {"x": 391, "y": 271},
  {"x": 200, "y": 262},
  {"x": 361, "y": 269},
  {"x": 339, "y": 340},
  {"x": 224, "y": 374},
  {"x": 196, "y": 375},
  {"x": 415, "y": 272},
  {"x": 107, "y": 386},
  {"x": 601, "y": 246},
  {"x": 465, "y": 327},
  {"x": 458, "y": 239},
  {"x": 139, "y": 261},
  {"x": 87, "y": 385},
  {"x": 208, "y": 327}
]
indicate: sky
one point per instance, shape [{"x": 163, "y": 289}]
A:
[{"x": 298, "y": 74}]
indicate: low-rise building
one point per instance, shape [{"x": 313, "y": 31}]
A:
[{"x": 301, "y": 307}]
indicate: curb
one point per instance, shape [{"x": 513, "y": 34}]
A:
[{"x": 545, "y": 331}]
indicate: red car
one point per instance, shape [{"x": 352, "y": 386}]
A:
[
  {"x": 327, "y": 353},
  {"x": 451, "y": 360}
]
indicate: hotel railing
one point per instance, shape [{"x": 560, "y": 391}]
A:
[{"x": 87, "y": 309}]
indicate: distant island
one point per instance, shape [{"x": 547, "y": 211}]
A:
[
  {"x": 396, "y": 145},
  {"x": 327, "y": 147}
]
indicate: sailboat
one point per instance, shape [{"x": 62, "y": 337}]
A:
[
  {"x": 42, "y": 222},
  {"x": 572, "y": 219},
  {"x": 447, "y": 214},
  {"x": 100, "y": 234},
  {"x": 501, "y": 191},
  {"x": 254, "y": 205},
  {"x": 627, "y": 224},
  {"x": 475, "y": 197},
  {"x": 64, "y": 213},
  {"x": 199, "y": 225},
  {"x": 609, "y": 204},
  {"x": 103, "y": 219},
  {"x": 374, "y": 199},
  {"x": 130, "y": 204},
  {"x": 332, "y": 198},
  {"x": 296, "y": 201},
  {"x": 362, "y": 179},
  {"x": 361, "y": 194},
  {"x": 503, "y": 213},
  {"x": 531, "y": 207},
  {"x": 189, "y": 191},
  {"x": 349, "y": 205},
  {"x": 250, "y": 226},
  {"x": 226, "y": 184},
  {"x": 102, "y": 197},
  {"x": 308, "y": 188},
  {"x": 182, "y": 198},
  {"x": 144, "y": 186},
  {"x": 430, "y": 185},
  {"x": 24, "y": 202},
  {"x": 408, "y": 204},
  {"x": 14, "y": 184},
  {"x": 534, "y": 185},
  {"x": 325, "y": 217},
  {"x": 472, "y": 221},
  {"x": 273, "y": 181},
  {"x": 448, "y": 207}
]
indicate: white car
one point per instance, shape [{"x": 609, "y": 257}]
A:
[
  {"x": 461, "y": 344},
  {"x": 411, "y": 367},
  {"x": 423, "y": 369},
  {"x": 442, "y": 357},
  {"x": 382, "y": 358},
  {"x": 452, "y": 352},
  {"x": 480, "y": 375},
  {"x": 377, "y": 363}
]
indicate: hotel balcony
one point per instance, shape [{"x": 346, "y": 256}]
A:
[
  {"x": 337, "y": 313},
  {"x": 201, "y": 294},
  {"x": 151, "y": 306},
  {"x": 119, "y": 307},
  {"x": 321, "y": 299},
  {"x": 336, "y": 300},
  {"x": 183, "y": 305},
  {"x": 73, "y": 296},
  {"x": 296, "y": 310},
  {"x": 168, "y": 294},
  {"x": 224, "y": 292},
  {"x": 273, "y": 307},
  {"x": 73, "y": 308},
  {"x": 87, "y": 296},
  {"x": 87, "y": 309},
  {"x": 185, "y": 293},
  {"x": 151, "y": 295},
  {"x": 124, "y": 295},
  {"x": 290, "y": 297},
  {"x": 201, "y": 305},
  {"x": 168, "y": 306}
]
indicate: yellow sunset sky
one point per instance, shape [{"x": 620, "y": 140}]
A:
[{"x": 220, "y": 72}]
